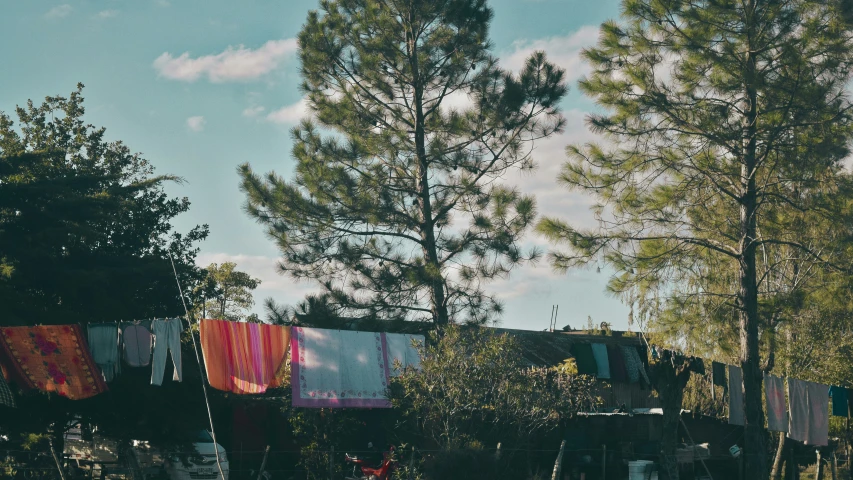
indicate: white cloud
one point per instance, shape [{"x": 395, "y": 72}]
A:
[
  {"x": 59, "y": 11},
  {"x": 104, "y": 14},
  {"x": 163, "y": 3},
  {"x": 563, "y": 51},
  {"x": 290, "y": 113},
  {"x": 253, "y": 111},
  {"x": 232, "y": 65},
  {"x": 196, "y": 123}
]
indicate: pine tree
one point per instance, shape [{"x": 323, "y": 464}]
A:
[
  {"x": 396, "y": 207},
  {"x": 729, "y": 121}
]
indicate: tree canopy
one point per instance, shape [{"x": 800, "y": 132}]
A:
[
  {"x": 397, "y": 207},
  {"x": 225, "y": 292},
  {"x": 85, "y": 225},
  {"x": 727, "y": 123}
]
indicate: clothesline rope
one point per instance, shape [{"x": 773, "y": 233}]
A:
[{"x": 201, "y": 372}]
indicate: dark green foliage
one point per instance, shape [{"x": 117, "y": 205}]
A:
[
  {"x": 85, "y": 226},
  {"x": 729, "y": 122},
  {"x": 396, "y": 207}
]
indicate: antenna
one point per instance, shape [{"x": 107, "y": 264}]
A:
[{"x": 556, "y": 311}]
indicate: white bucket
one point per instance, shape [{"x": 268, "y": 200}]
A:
[{"x": 639, "y": 469}]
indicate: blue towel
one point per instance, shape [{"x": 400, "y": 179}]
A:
[{"x": 839, "y": 401}]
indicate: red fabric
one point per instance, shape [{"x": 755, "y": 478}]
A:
[{"x": 53, "y": 358}]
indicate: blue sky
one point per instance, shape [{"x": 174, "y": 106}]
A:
[{"x": 200, "y": 87}]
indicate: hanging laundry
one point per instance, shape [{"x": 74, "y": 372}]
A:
[
  {"x": 242, "y": 357},
  {"x": 798, "y": 401},
  {"x": 402, "y": 348},
  {"x": 53, "y": 358},
  {"x": 839, "y": 401},
  {"x": 599, "y": 353},
  {"x": 137, "y": 340},
  {"x": 337, "y": 368},
  {"x": 718, "y": 371},
  {"x": 777, "y": 413},
  {"x": 618, "y": 373},
  {"x": 818, "y": 431},
  {"x": 697, "y": 366},
  {"x": 736, "y": 406},
  {"x": 584, "y": 358},
  {"x": 643, "y": 356},
  {"x": 633, "y": 365},
  {"x": 167, "y": 338},
  {"x": 103, "y": 342},
  {"x": 6, "y": 397}
]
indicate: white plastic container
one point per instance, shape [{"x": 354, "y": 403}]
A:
[{"x": 639, "y": 469}]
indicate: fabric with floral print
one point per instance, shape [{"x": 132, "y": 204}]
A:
[
  {"x": 53, "y": 358},
  {"x": 338, "y": 368}
]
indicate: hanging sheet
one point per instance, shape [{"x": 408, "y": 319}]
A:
[
  {"x": 336, "y": 368},
  {"x": 53, "y": 358},
  {"x": 818, "y": 432},
  {"x": 136, "y": 340},
  {"x": 599, "y": 352},
  {"x": 736, "y": 406},
  {"x": 618, "y": 373},
  {"x": 402, "y": 347},
  {"x": 584, "y": 358},
  {"x": 798, "y": 421},
  {"x": 777, "y": 413},
  {"x": 245, "y": 358}
]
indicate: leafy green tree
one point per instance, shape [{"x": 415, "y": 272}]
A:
[
  {"x": 729, "y": 121},
  {"x": 225, "y": 292},
  {"x": 396, "y": 207},
  {"x": 473, "y": 386}
]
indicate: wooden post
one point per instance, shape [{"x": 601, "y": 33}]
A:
[
  {"x": 558, "y": 465},
  {"x": 263, "y": 463},
  {"x": 412, "y": 462},
  {"x": 819, "y": 467},
  {"x": 834, "y": 465},
  {"x": 603, "y": 462},
  {"x": 332, "y": 463},
  {"x": 498, "y": 452},
  {"x": 56, "y": 459}
]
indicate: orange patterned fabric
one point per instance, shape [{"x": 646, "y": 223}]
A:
[
  {"x": 53, "y": 358},
  {"x": 243, "y": 357}
]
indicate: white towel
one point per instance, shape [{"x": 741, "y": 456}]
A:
[
  {"x": 337, "y": 368},
  {"x": 777, "y": 414},
  {"x": 798, "y": 421},
  {"x": 403, "y": 348},
  {"x": 736, "y": 407}
]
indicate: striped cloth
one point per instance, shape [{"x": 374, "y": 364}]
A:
[{"x": 244, "y": 358}]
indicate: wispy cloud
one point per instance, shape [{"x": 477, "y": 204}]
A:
[
  {"x": 59, "y": 11},
  {"x": 253, "y": 111},
  {"x": 104, "y": 14},
  {"x": 163, "y": 3},
  {"x": 562, "y": 50},
  {"x": 196, "y": 123},
  {"x": 235, "y": 64},
  {"x": 290, "y": 113}
]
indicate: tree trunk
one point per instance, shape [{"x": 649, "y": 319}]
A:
[
  {"x": 432, "y": 266},
  {"x": 792, "y": 472},
  {"x": 754, "y": 440},
  {"x": 671, "y": 377},
  {"x": 776, "y": 472}
]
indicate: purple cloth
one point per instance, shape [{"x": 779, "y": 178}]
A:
[
  {"x": 777, "y": 413},
  {"x": 137, "y": 345},
  {"x": 818, "y": 433},
  {"x": 736, "y": 407}
]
